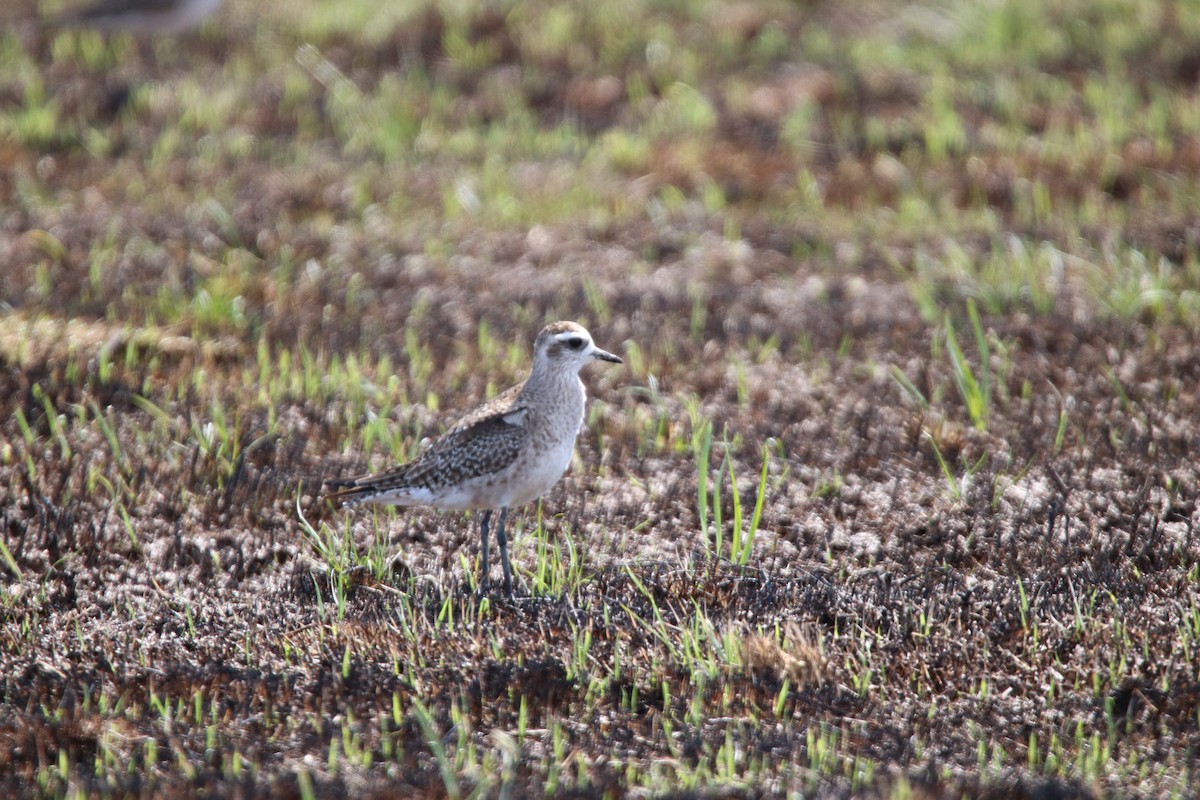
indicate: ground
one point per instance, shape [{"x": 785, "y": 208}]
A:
[{"x": 894, "y": 496}]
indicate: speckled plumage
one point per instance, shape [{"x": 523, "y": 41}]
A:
[{"x": 505, "y": 453}]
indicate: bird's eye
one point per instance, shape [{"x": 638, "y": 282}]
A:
[{"x": 575, "y": 343}]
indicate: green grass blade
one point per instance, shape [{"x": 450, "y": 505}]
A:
[
  {"x": 756, "y": 516},
  {"x": 702, "y": 479}
]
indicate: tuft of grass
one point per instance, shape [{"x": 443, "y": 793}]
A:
[
  {"x": 344, "y": 562},
  {"x": 709, "y": 500},
  {"x": 976, "y": 392},
  {"x": 445, "y": 764},
  {"x": 558, "y": 569}
]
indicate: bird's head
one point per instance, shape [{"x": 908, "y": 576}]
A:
[{"x": 567, "y": 345}]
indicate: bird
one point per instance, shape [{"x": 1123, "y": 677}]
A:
[
  {"x": 503, "y": 454},
  {"x": 142, "y": 16}
]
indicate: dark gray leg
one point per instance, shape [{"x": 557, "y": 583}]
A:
[
  {"x": 502, "y": 540},
  {"x": 483, "y": 547}
]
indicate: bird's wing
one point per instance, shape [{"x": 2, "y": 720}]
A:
[
  {"x": 503, "y": 403},
  {"x": 484, "y": 446},
  {"x": 480, "y": 444}
]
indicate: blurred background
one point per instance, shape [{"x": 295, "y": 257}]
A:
[{"x": 314, "y": 173}]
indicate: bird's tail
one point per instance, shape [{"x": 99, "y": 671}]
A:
[
  {"x": 349, "y": 491},
  {"x": 385, "y": 487}
]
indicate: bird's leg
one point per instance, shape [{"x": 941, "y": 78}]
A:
[
  {"x": 502, "y": 540},
  {"x": 483, "y": 548}
]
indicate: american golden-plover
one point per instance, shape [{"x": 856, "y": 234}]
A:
[{"x": 506, "y": 452}]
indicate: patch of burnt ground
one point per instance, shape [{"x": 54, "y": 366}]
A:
[
  {"x": 1045, "y": 608},
  {"x": 1002, "y": 610}
]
